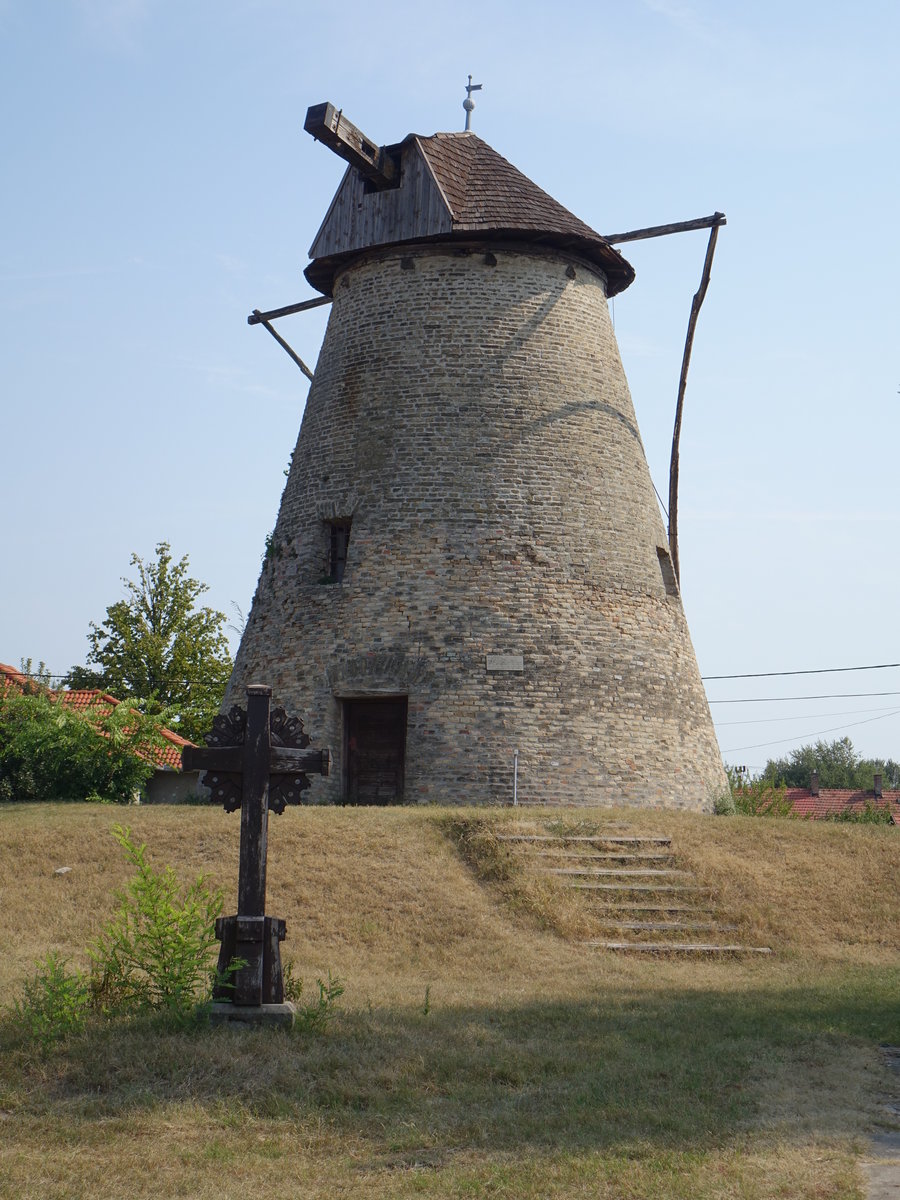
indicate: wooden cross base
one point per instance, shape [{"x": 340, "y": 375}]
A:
[{"x": 255, "y": 941}]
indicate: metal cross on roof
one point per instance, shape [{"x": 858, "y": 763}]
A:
[{"x": 469, "y": 103}]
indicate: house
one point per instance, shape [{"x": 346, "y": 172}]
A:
[
  {"x": 817, "y": 803},
  {"x": 168, "y": 784}
]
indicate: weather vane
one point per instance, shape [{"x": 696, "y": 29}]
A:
[{"x": 469, "y": 103}]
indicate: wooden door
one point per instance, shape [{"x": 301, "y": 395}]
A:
[{"x": 375, "y": 750}]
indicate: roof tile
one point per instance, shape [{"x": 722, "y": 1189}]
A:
[{"x": 832, "y": 801}]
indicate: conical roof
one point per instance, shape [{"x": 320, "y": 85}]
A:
[{"x": 456, "y": 186}]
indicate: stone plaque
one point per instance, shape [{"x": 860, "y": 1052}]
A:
[{"x": 505, "y": 662}]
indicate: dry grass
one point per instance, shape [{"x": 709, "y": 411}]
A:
[{"x": 476, "y": 1052}]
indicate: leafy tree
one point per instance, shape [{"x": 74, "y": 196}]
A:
[
  {"x": 38, "y": 676},
  {"x": 838, "y": 764},
  {"x": 158, "y": 648},
  {"x": 48, "y": 751}
]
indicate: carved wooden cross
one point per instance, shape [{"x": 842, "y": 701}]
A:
[{"x": 255, "y": 761}]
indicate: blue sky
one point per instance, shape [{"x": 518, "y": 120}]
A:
[{"x": 158, "y": 186}]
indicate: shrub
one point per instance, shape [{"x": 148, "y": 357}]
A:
[
  {"x": 870, "y": 814},
  {"x": 724, "y": 805},
  {"x": 55, "y": 1002},
  {"x": 153, "y": 955},
  {"x": 155, "y": 952},
  {"x": 312, "y": 1017},
  {"x": 753, "y": 797},
  {"x": 49, "y": 751},
  {"x": 757, "y": 798}
]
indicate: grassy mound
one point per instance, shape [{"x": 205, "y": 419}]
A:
[{"x": 478, "y": 1050}]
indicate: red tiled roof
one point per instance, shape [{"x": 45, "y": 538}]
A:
[
  {"x": 12, "y": 680},
  {"x": 86, "y": 700},
  {"x": 831, "y": 801}
]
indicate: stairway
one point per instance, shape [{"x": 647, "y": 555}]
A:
[{"x": 641, "y": 900}]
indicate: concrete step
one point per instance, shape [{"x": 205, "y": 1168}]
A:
[
  {"x": 612, "y": 840},
  {"x": 617, "y": 872},
  {"x": 602, "y": 905},
  {"x": 599, "y": 856},
  {"x": 699, "y": 948},
  {"x": 661, "y": 926},
  {"x": 636, "y": 888},
  {"x": 640, "y": 900}
]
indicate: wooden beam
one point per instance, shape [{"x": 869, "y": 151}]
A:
[
  {"x": 652, "y": 231},
  {"x": 282, "y": 760},
  {"x": 699, "y": 297},
  {"x": 329, "y": 125},
  {"x": 257, "y": 317},
  {"x": 261, "y": 320}
]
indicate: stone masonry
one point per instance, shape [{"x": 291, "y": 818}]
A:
[{"x": 507, "y": 569}]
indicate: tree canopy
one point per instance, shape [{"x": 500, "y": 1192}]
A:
[
  {"x": 838, "y": 764},
  {"x": 159, "y": 649}
]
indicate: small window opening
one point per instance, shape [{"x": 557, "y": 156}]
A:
[
  {"x": 667, "y": 570},
  {"x": 339, "y": 534},
  {"x": 379, "y": 185}
]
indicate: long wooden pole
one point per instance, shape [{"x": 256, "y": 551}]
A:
[
  {"x": 696, "y": 303},
  {"x": 257, "y": 317},
  {"x": 653, "y": 231}
]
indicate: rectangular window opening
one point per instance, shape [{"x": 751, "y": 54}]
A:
[
  {"x": 339, "y": 540},
  {"x": 667, "y": 571},
  {"x": 372, "y": 185}
]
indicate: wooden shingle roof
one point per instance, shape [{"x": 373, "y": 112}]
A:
[
  {"x": 453, "y": 186},
  {"x": 485, "y": 191}
]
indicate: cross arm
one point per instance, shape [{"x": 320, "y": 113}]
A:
[
  {"x": 634, "y": 235},
  {"x": 282, "y": 760}
]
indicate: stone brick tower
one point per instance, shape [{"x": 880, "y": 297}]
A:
[{"x": 469, "y": 562}]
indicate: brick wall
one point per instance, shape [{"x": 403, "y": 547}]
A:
[{"x": 470, "y": 416}]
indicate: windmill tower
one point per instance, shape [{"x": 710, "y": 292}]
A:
[{"x": 469, "y": 562}]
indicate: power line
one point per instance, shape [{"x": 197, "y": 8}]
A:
[
  {"x": 802, "y": 717},
  {"x": 834, "y": 729},
  {"x": 815, "y": 671},
  {"x": 55, "y": 675},
  {"x": 821, "y": 696},
  {"x": 660, "y": 499}
]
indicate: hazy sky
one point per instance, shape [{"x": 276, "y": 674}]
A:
[{"x": 158, "y": 185}]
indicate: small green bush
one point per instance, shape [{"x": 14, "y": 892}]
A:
[
  {"x": 312, "y": 1017},
  {"x": 753, "y": 797},
  {"x": 153, "y": 955},
  {"x": 55, "y": 1002},
  {"x": 757, "y": 798},
  {"x": 870, "y": 814},
  {"x": 724, "y": 805},
  {"x": 155, "y": 952}
]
